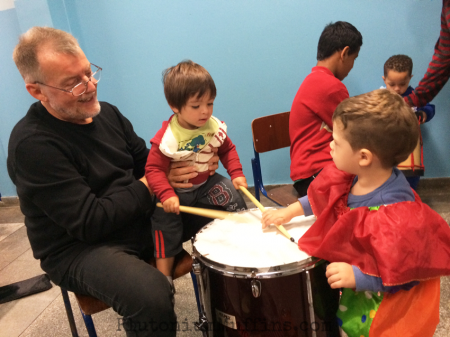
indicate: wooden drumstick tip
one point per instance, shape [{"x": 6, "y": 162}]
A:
[{"x": 292, "y": 239}]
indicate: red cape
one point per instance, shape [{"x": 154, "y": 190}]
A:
[{"x": 400, "y": 243}]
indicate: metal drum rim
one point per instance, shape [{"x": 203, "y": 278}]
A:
[{"x": 253, "y": 272}]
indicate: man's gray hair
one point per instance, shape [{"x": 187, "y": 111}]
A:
[{"x": 36, "y": 39}]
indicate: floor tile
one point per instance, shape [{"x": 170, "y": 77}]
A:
[
  {"x": 13, "y": 246},
  {"x": 17, "y": 316},
  {"x": 22, "y": 268},
  {"x": 7, "y": 229},
  {"x": 11, "y": 214}
]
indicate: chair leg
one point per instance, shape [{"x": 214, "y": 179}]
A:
[
  {"x": 89, "y": 324},
  {"x": 194, "y": 281},
  {"x": 73, "y": 327}
]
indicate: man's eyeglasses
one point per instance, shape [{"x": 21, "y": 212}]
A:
[{"x": 81, "y": 87}]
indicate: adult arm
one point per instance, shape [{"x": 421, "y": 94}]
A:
[
  {"x": 438, "y": 70},
  {"x": 183, "y": 171},
  {"x": 51, "y": 175}
]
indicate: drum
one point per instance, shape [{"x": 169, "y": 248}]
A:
[
  {"x": 258, "y": 283},
  {"x": 413, "y": 166}
]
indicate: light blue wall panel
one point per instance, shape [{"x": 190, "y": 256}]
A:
[
  {"x": 258, "y": 52},
  {"x": 33, "y": 13},
  {"x": 14, "y": 99}
]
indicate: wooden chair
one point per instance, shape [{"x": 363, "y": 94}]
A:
[
  {"x": 90, "y": 305},
  {"x": 271, "y": 133}
]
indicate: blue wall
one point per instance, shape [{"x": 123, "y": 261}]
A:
[{"x": 257, "y": 51}]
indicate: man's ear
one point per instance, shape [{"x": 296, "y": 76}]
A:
[
  {"x": 34, "y": 90},
  {"x": 365, "y": 157},
  {"x": 384, "y": 78},
  {"x": 344, "y": 53}
]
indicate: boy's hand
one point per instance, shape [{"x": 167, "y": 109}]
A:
[
  {"x": 340, "y": 275},
  {"x": 239, "y": 181},
  {"x": 282, "y": 215},
  {"x": 172, "y": 205},
  {"x": 421, "y": 116}
]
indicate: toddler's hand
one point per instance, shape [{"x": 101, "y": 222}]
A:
[
  {"x": 172, "y": 205},
  {"x": 421, "y": 116},
  {"x": 276, "y": 217},
  {"x": 340, "y": 275},
  {"x": 239, "y": 181}
]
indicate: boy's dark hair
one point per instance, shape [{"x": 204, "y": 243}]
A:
[
  {"x": 185, "y": 80},
  {"x": 399, "y": 63},
  {"x": 335, "y": 37},
  {"x": 381, "y": 122}
]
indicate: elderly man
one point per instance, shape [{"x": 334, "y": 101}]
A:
[{"x": 79, "y": 171}]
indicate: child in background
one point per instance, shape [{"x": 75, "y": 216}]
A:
[
  {"x": 387, "y": 248},
  {"x": 318, "y": 96},
  {"x": 397, "y": 75},
  {"x": 189, "y": 135}
]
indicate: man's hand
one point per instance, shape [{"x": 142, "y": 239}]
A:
[
  {"x": 340, "y": 275},
  {"x": 180, "y": 172},
  {"x": 144, "y": 180},
  {"x": 213, "y": 163},
  {"x": 239, "y": 181},
  {"x": 172, "y": 205}
]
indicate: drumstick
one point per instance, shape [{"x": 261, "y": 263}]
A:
[
  {"x": 211, "y": 213},
  {"x": 262, "y": 209}
]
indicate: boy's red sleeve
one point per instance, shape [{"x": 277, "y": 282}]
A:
[
  {"x": 230, "y": 159},
  {"x": 333, "y": 99},
  {"x": 156, "y": 170}
]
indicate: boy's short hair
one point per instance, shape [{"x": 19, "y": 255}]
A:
[
  {"x": 381, "y": 122},
  {"x": 25, "y": 53},
  {"x": 185, "y": 80},
  {"x": 335, "y": 37},
  {"x": 399, "y": 63}
]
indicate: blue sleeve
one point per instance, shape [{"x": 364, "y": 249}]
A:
[
  {"x": 373, "y": 283},
  {"x": 304, "y": 201},
  {"x": 429, "y": 110}
]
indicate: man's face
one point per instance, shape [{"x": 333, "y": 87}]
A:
[
  {"x": 65, "y": 71},
  {"x": 397, "y": 81}
]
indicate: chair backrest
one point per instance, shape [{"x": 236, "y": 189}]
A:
[{"x": 271, "y": 132}]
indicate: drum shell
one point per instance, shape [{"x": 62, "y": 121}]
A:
[
  {"x": 413, "y": 165},
  {"x": 282, "y": 309}
]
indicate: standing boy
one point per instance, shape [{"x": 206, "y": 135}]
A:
[
  {"x": 318, "y": 96},
  {"x": 383, "y": 241},
  {"x": 189, "y": 135},
  {"x": 397, "y": 75}
]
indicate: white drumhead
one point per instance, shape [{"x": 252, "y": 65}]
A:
[{"x": 245, "y": 244}]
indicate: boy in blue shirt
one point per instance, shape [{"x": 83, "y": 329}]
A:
[{"x": 397, "y": 75}]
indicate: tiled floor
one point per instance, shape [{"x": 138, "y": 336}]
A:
[{"x": 44, "y": 315}]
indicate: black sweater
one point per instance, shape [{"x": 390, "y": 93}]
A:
[{"x": 78, "y": 184}]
